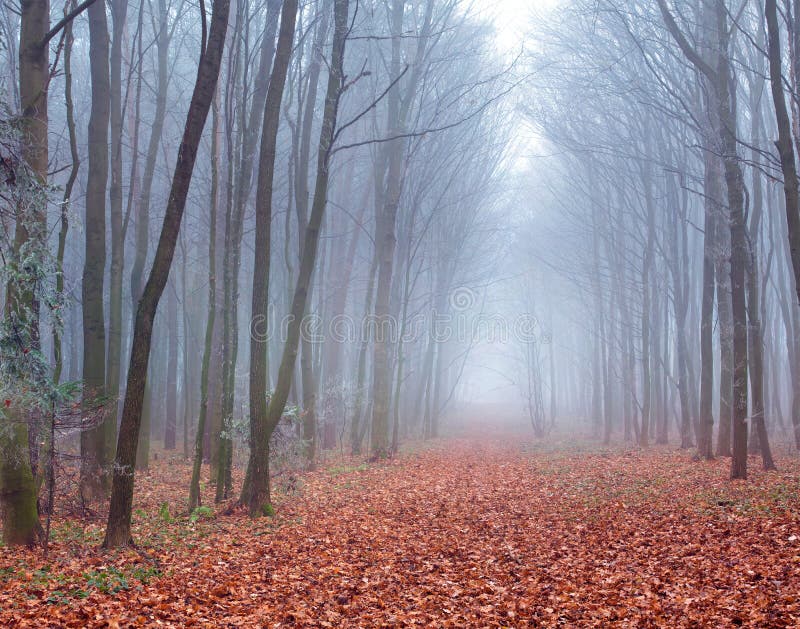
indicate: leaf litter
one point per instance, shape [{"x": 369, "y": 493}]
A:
[{"x": 467, "y": 533}]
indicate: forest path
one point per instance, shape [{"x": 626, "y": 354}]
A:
[{"x": 473, "y": 532}]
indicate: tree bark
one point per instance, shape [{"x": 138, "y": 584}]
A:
[
  {"x": 171, "y": 419},
  {"x": 759, "y": 438},
  {"x": 784, "y": 142},
  {"x": 711, "y": 210},
  {"x": 259, "y": 493},
  {"x": 256, "y": 492},
  {"x": 119, "y": 10},
  {"x": 118, "y": 530},
  {"x": 17, "y": 488},
  {"x": 307, "y": 376},
  {"x": 93, "y": 480},
  {"x": 647, "y": 262},
  {"x": 194, "y": 483},
  {"x": 738, "y": 229},
  {"x": 356, "y": 432}
]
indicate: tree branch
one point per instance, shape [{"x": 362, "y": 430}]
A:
[
  {"x": 372, "y": 105},
  {"x": 691, "y": 54},
  {"x": 66, "y": 20},
  {"x": 416, "y": 134}
]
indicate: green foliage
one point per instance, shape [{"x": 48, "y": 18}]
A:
[
  {"x": 201, "y": 512},
  {"x": 336, "y": 470},
  {"x": 145, "y": 574},
  {"x": 58, "y": 598},
  {"x": 268, "y": 510},
  {"x": 785, "y": 495},
  {"x": 75, "y": 533},
  {"x": 108, "y": 581},
  {"x": 235, "y": 428},
  {"x": 112, "y": 579},
  {"x": 163, "y": 513},
  {"x": 28, "y": 272},
  {"x": 41, "y": 577},
  {"x": 28, "y": 275}
]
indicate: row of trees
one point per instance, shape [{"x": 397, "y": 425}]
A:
[
  {"x": 680, "y": 215},
  {"x": 330, "y": 158}
]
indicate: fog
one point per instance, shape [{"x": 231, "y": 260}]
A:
[{"x": 254, "y": 233}]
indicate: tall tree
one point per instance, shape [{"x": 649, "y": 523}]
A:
[
  {"x": 17, "y": 488},
  {"x": 720, "y": 78},
  {"x": 143, "y": 202},
  {"x": 171, "y": 419},
  {"x": 784, "y": 142},
  {"x": 194, "y": 483},
  {"x": 257, "y": 494},
  {"x": 118, "y": 530},
  {"x": 119, "y": 9},
  {"x": 256, "y": 491},
  {"x": 93, "y": 439}
]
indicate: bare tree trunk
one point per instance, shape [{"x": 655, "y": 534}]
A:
[
  {"x": 738, "y": 228},
  {"x": 386, "y": 219},
  {"x": 119, "y": 9},
  {"x": 711, "y": 210},
  {"x": 143, "y": 205},
  {"x": 309, "y": 381},
  {"x": 93, "y": 481},
  {"x": 242, "y": 163},
  {"x": 407, "y": 288},
  {"x": 256, "y": 491},
  {"x": 188, "y": 380},
  {"x": 788, "y": 168},
  {"x": 678, "y": 264},
  {"x": 795, "y": 374},
  {"x": 722, "y": 273},
  {"x": 342, "y": 278},
  {"x": 171, "y": 419},
  {"x": 44, "y": 471},
  {"x": 356, "y": 432},
  {"x": 194, "y": 483},
  {"x": 647, "y": 261},
  {"x": 759, "y": 438},
  {"x": 606, "y": 368},
  {"x": 264, "y": 423},
  {"x": 552, "y": 364},
  {"x": 143, "y": 209},
  {"x": 65, "y": 204},
  {"x": 118, "y": 530},
  {"x": 784, "y": 142},
  {"x": 17, "y": 487},
  {"x": 720, "y": 80}
]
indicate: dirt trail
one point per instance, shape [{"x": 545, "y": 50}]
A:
[{"x": 471, "y": 533}]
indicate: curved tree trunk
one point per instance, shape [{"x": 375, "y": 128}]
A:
[
  {"x": 264, "y": 423},
  {"x": 118, "y": 530},
  {"x": 256, "y": 491}
]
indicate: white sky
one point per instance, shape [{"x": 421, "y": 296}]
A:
[
  {"x": 492, "y": 371},
  {"x": 513, "y": 18}
]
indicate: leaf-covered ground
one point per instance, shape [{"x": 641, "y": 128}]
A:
[{"x": 464, "y": 533}]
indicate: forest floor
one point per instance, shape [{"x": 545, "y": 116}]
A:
[{"x": 461, "y": 533}]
